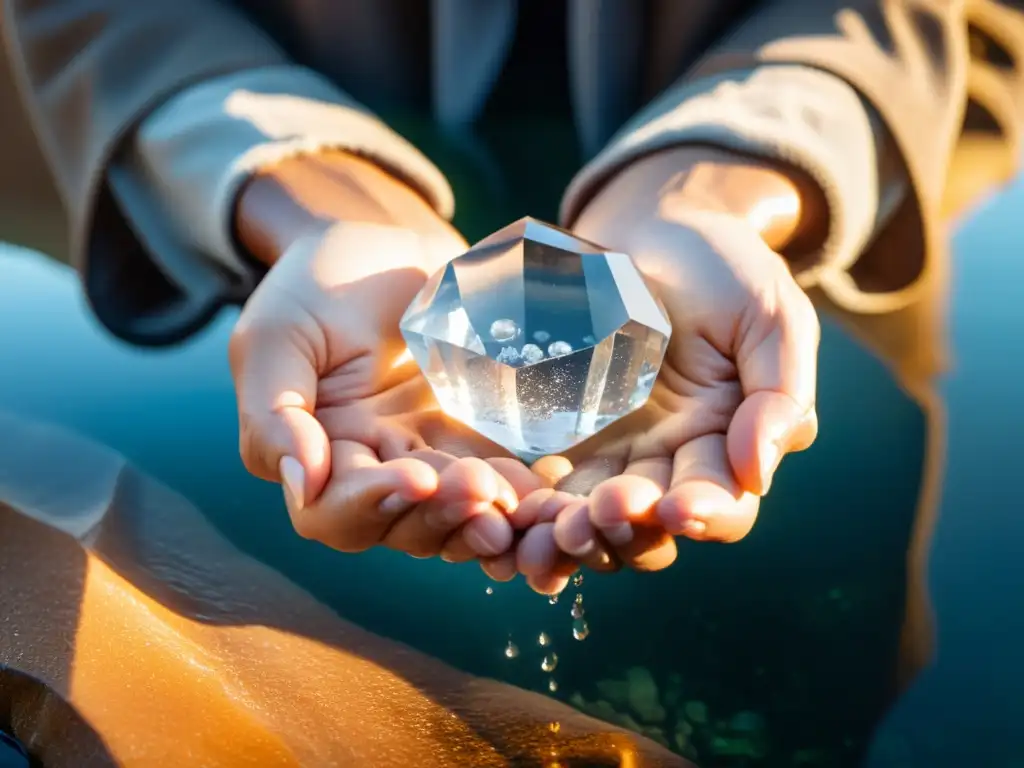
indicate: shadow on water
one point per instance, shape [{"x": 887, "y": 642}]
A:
[{"x": 872, "y": 617}]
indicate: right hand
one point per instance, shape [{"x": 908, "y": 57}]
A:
[{"x": 332, "y": 406}]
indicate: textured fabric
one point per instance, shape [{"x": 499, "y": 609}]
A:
[
  {"x": 88, "y": 71},
  {"x": 802, "y": 116},
  {"x": 195, "y": 151}
]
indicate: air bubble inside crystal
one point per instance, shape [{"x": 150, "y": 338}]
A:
[
  {"x": 504, "y": 329},
  {"x": 559, "y": 348},
  {"x": 531, "y": 353}
]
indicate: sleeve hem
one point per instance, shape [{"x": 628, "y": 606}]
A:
[{"x": 795, "y": 114}]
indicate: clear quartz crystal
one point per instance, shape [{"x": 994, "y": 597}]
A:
[{"x": 537, "y": 339}]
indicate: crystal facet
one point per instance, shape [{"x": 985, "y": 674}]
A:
[{"x": 537, "y": 339}]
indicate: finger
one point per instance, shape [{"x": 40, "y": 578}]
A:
[
  {"x": 363, "y": 498},
  {"x": 556, "y": 581},
  {"x": 486, "y": 534},
  {"x": 275, "y": 386},
  {"x": 501, "y": 568},
  {"x": 619, "y": 503},
  {"x": 766, "y": 427},
  {"x": 577, "y": 537},
  {"x": 777, "y": 360},
  {"x": 467, "y": 488},
  {"x": 541, "y": 506},
  {"x": 704, "y": 501},
  {"x": 552, "y": 469},
  {"x": 537, "y": 552},
  {"x": 519, "y": 476}
]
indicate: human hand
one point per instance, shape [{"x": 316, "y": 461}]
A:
[
  {"x": 330, "y": 403},
  {"x": 735, "y": 394}
]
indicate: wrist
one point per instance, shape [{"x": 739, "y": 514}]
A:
[
  {"x": 303, "y": 195},
  {"x": 784, "y": 205}
]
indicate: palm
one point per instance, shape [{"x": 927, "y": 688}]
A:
[{"x": 692, "y": 459}]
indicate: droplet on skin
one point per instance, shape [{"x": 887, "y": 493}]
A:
[
  {"x": 549, "y": 662},
  {"x": 504, "y": 329},
  {"x": 544, "y": 639},
  {"x": 531, "y": 353},
  {"x": 511, "y": 650},
  {"x": 559, "y": 348},
  {"x": 580, "y": 629}
]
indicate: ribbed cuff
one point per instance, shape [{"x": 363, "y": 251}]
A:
[
  {"x": 195, "y": 151},
  {"x": 798, "y": 115}
]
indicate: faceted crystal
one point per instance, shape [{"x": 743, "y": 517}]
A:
[{"x": 537, "y": 339}]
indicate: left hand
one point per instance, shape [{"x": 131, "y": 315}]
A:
[{"x": 736, "y": 393}]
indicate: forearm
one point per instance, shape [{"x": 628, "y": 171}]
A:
[{"x": 301, "y": 195}]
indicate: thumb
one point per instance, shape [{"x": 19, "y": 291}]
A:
[
  {"x": 279, "y": 437},
  {"x": 777, "y": 360}
]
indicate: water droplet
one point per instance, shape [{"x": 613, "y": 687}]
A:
[
  {"x": 489, "y": 590},
  {"x": 578, "y": 599},
  {"x": 511, "y": 650},
  {"x": 580, "y": 629},
  {"x": 532, "y": 353},
  {"x": 556, "y": 726},
  {"x": 577, "y": 580},
  {"x": 504, "y": 329},
  {"x": 541, "y": 336},
  {"x": 576, "y": 611},
  {"x": 549, "y": 662},
  {"x": 553, "y": 599},
  {"x": 559, "y": 348},
  {"x": 544, "y": 639}
]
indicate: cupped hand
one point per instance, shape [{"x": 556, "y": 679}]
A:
[
  {"x": 333, "y": 407},
  {"x": 735, "y": 393}
]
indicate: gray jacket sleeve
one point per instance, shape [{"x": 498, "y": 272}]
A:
[{"x": 89, "y": 73}]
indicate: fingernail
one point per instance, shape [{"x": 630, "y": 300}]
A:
[
  {"x": 771, "y": 454},
  {"x": 620, "y": 535},
  {"x": 694, "y": 528},
  {"x": 293, "y": 482},
  {"x": 507, "y": 501},
  {"x": 484, "y": 538},
  {"x": 395, "y": 504}
]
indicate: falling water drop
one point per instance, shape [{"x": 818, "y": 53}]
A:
[
  {"x": 511, "y": 650},
  {"x": 577, "y": 611},
  {"x": 553, "y": 599},
  {"x": 549, "y": 662},
  {"x": 577, "y": 580},
  {"x": 580, "y": 629},
  {"x": 489, "y": 590},
  {"x": 552, "y": 686},
  {"x": 544, "y": 639}
]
